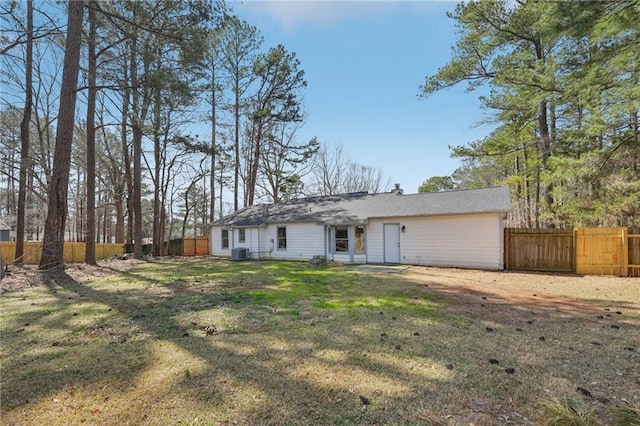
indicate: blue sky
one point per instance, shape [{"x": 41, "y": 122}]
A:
[{"x": 364, "y": 62}]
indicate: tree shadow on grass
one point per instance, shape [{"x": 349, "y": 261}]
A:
[
  {"x": 260, "y": 367},
  {"x": 405, "y": 350}
]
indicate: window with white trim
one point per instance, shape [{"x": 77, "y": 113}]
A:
[
  {"x": 282, "y": 238},
  {"x": 225, "y": 239},
  {"x": 342, "y": 239}
]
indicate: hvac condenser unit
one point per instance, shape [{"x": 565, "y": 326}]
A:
[{"x": 240, "y": 253}]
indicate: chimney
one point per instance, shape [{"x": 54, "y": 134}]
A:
[{"x": 397, "y": 190}]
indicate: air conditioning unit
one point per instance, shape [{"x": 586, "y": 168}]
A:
[{"x": 240, "y": 253}]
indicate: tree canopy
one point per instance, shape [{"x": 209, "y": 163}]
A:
[
  {"x": 131, "y": 169},
  {"x": 564, "y": 90}
]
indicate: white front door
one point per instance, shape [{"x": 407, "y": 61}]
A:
[{"x": 391, "y": 243}]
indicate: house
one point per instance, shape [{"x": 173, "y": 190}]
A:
[
  {"x": 455, "y": 228},
  {"x": 5, "y": 232}
]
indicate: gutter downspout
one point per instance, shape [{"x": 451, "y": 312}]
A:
[
  {"x": 327, "y": 242},
  {"x": 324, "y": 240},
  {"x": 351, "y": 233}
]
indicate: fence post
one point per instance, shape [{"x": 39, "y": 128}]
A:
[
  {"x": 505, "y": 255},
  {"x": 625, "y": 252},
  {"x": 575, "y": 250}
]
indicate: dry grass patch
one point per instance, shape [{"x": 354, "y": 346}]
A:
[
  {"x": 567, "y": 412},
  {"x": 207, "y": 341}
]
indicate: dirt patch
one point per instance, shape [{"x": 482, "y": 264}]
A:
[
  {"x": 516, "y": 298},
  {"x": 25, "y": 277}
]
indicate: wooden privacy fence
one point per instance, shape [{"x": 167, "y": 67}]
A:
[
  {"x": 195, "y": 246},
  {"x": 191, "y": 246},
  {"x": 588, "y": 251},
  {"x": 73, "y": 252},
  {"x": 548, "y": 250}
]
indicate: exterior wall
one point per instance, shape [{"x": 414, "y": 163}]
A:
[
  {"x": 359, "y": 258},
  {"x": 215, "y": 242},
  {"x": 375, "y": 240},
  {"x": 304, "y": 240},
  {"x": 467, "y": 241}
]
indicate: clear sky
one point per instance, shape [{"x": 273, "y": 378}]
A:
[{"x": 364, "y": 62}]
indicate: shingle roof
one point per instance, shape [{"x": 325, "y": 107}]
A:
[{"x": 360, "y": 207}]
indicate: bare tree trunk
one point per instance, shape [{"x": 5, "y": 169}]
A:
[
  {"x": 205, "y": 217},
  {"x": 104, "y": 227},
  {"x": 212, "y": 180},
  {"x": 545, "y": 153},
  {"x": 527, "y": 187},
  {"x": 119, "y": 220},
  {"x": 137, "y": 156},
  {"x": 166, "y": 181},
  {"x": 236, "y": 142},
  {"x": 164, "y": 248},
  {"x": 545, "y": 137},
  {"x": 157, "y": 208},
  {"x": 220, "y": 188},
  {"x": 24, "y": 138},
  {"x": 137, "y": 192},
  {"x": 254, "y": 164},
  {"x": 98, "y": 219},
  {"x": 127, "y": 167},
  {"x": 90, "y": 242},
  {"x": 53, "y": 243},
  {"x": 187, "y": 207}
]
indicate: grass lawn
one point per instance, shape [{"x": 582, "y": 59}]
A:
[{"x": 209, "y": 341}]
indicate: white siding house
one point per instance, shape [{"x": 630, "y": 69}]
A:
[
  {"x": 466, "y": 241},
  {"x": 454, "y": 228}
]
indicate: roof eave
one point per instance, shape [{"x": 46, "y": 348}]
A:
[{"x": 494, "y": 211}]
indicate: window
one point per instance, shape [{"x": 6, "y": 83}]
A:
[
  {"x": 225, "y": 238},
  {"x": 282, "y": 238},
  {"x": 241, "y": 235},
  {"x": 359, "y": 239},
  {"x": 342, "y": 238}
]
